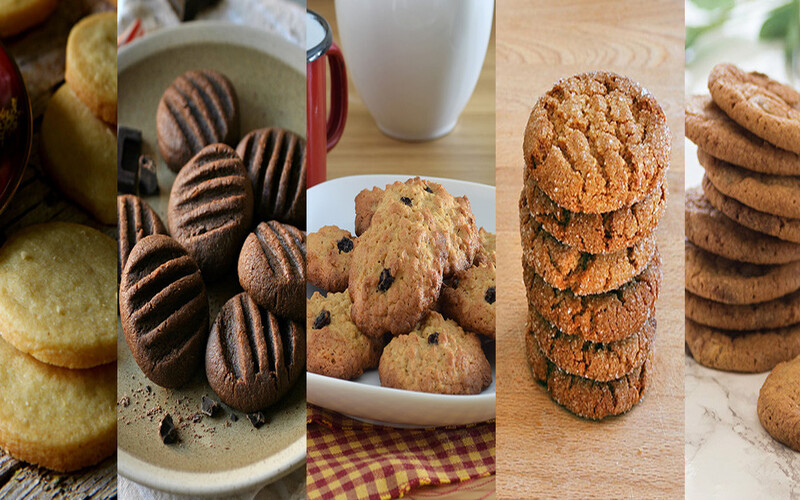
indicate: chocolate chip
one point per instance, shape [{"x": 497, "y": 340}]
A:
[
  {"x": 129, "y": 147},
  {"x": 148, "y": 180},
  {"x": 209, "y": 406},
  {"x": 490, "y": 295},
  {"x": 344, "y": 245},
  {"x": 385, "y": 280},
  {"x": 322, "y": 320},
  {"x": 406, "y": 200},
  {"x": 428, "y": 189},
  {"x": 126, "y": 182},
  {"x": 148, "y": 389},
  {"x": 167, "y": 430},
  {"x": 433, "y": 338},
  {"x": 257, "y": 419},
  {"x": 234, "y": 418}
]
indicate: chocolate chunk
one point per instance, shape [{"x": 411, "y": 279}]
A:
[
  {"x": 433, "y": 338},
  {"x": 428, "y": 189},
  {"x": 322, "y": 320},
  {"x": 406, "y": 200},
  {"x": 148, "y": 389},
  {"x": 209, "y": 406},
  {"x": 490, "y": 295},
  {"x": 188, "y": 9},
  {"x": 126, "y": 182},
  {"x": 129, "y": 147},
  {"x": 257, "y": 419},
  {"x": 148, "y": 181},
  {"x": 385, "y": 281},
  {"x": 345, "y": 245},
  {"x": 234, "y": 417},
  {"x": 167, "y": 430}
]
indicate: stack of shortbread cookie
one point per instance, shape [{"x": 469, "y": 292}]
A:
[
  {"x": 597, "y": 147},
  {"x": 743, "y": 227}
]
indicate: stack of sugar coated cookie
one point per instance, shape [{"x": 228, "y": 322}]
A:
[
  {"x": 597, "y": 148},
  {"x": 420, "y": 271}
]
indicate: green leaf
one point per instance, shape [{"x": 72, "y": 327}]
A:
[
  {"x": 777, "y": 23},
  {"x": 693, "y": 33},
  {"x": 714, "y": 4}
]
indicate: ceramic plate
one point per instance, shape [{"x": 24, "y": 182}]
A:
[
  {"x": 216, "y": 456},
  {"x": 363, "y": 398}
]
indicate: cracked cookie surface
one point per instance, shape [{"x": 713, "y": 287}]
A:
[{"x": 329, "y": 252}]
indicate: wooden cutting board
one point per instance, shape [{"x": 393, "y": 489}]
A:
[{"x": 544, "y": 451}]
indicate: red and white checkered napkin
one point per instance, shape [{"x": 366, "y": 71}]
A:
[{"x": 351, "y": 459}]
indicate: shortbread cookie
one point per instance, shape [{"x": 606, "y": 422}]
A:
[
  {"x": 79, "y": 152},
  {"x": 199, "y": 108},
  {"x": 597, "y": 142},
  {"x": 437, "y": 356},
  {"x": 469, "y": 298},
  {"x": 329, "y": 252},
  {"x": 730, "y": 282},
  {"x": 91, "y": 67},
  {"x": 783, "y": 311},
  {"x": 714, "y": 132},
  {"x": 765, "y": 107},
  {"x": 752, "y": 351},
  {"x": 135, "y": 220},
  {"x": 602, "y": 362},
  {"x": 605, "y": 317},
  {"x": 55, "y": 417},
  {"x": 18, "y": 15},
  {"x": 584, "y": 397},
  {"x": 778, "y": 403},
  {"x": 487, "y": 250},
  {"x": 57, "y": 295},
  {"x": 335, "y": 346},
  {"x": 711, "y": 230}
]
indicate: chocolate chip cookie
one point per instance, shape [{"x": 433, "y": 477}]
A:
[
  {"x": 783, "y": 311},
  {"x": 778, "y": 401},
  {"x": 469, "y": 298},
  {"x": 329, "y": 252}
]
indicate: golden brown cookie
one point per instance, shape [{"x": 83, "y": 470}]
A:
[
  {"x": 487, "y": 250},
  {"x": 91, "y": 67},
  {"x": 18, "y": 15},
  {"x": 778, "y": 403},
  {"x": 783, "y": 311},
  {"x": 469, "y": 298},
  {"x": 329, "y": 252}
]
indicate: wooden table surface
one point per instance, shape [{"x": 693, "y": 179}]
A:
[
  {"x": 543, "y": 451},
  {"x": 467, "y": 153}
]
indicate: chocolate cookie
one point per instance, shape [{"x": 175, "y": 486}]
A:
[
  {"x": 335, "y": 346},
  {"x": 211, "y": 209},
  {"x": 469, "y": 298},
  {"x": 329, "y": 252},
  {"x": 765, "y": 107},
  {"x": 711, "y": 230},
  {"x": 778, "y": 401},
  {"x": 584, "y": 397},
  {"x": 272, "y": 268},
  {"x": 752, "y": 351},
  {"x": 253, "y": 357},
  {"x": 564, "y": 267},
  {"x": 199, "y": 108},
  {"x": 605, "y": 317},
  {"x": 275, "y": 160},
  {"x": 713, "y": 131},
  {"x": 135, "y": 220},
  {"x": 163, "y": 308},
  {"x": 783, "y": 311},
  {"x": 602, "y": 362},
  {"x": 717, "y": 278},
  {"x": 773, "y": 194},
  {"x": 437, "y": 356},
  {"x": 597, "y": 142},
  {"x": 597, "y": 233},
  {"x": 783, "y": 228}
]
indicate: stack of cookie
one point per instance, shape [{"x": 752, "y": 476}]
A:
[
  {"x": 597, "y": 148},
  {"x": 743, "y": 227}
]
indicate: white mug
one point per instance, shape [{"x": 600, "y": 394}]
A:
[{"x": 415, "y": 63}]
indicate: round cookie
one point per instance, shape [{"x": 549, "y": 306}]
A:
[
  {"x": 335, "y": 346},
  {"x": 163, "y": 309},
  {"x": 597, "y": 142},
  {"x": 74, "y": 140},
  {"x": 57, "y": 295},
  {"x": 597, "y": 233},
  {"x": 135, "y": 220},
  {"x": 564, "y": 267},
  {"x": 272, "y": 268},
  {"x": 584, "y": 397},
  {"x": 253, "y": 357},
  {"x": 778, "y": 402},
  {"x": 605, "y": 317},
  {"x": 487, "y": 250},
  {"x": 722, "y": 280},
  {"x": 783, "y": 228},
  {"x": 17, "y": 16},
  {"x": 437, "y": 356},
  {"x": 329, "y": 252},
  {"x": 773, "y": 194},
  {"x": 469, "y": 298},
  {"x": 783, "y": 311},
  {"x": 91, "y": 65},
  {"x": 198, "y": 109},
  {"x": 211, "y": 208},
  {"x": 55, "y": 417},
  {"x": 275, "y": 160},
  {"x": 753, "y": 351},
  {"x": 765, "y": 107},
  {"x": 602, "y": 362},
  {"x": 714, "y": 132},
  {"x": 711, "y": 230}
]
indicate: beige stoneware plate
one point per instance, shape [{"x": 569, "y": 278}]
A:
[{"x": 215, "y": 456}]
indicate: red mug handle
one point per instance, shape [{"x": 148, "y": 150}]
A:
[{"x": 338, "y": 109}]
